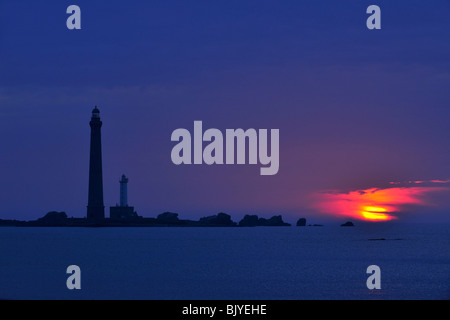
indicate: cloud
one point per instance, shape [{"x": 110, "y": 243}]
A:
[
  {"x": 411, "y": 182},
  {"x": 380, "y": 204}
]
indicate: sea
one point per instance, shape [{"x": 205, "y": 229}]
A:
[{"x": 234, "y": 263}]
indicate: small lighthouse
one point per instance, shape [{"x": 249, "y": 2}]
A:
[
  {"x": 123, "y": 211},
  {"x": 123, "y": 191}
]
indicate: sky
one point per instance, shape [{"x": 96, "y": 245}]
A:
[{"x": 362, "y": 114}]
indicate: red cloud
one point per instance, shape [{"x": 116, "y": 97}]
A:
[{"x": 376, "y": 204}]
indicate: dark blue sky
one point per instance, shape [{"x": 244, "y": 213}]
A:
[{"x": 355, "y": 108}]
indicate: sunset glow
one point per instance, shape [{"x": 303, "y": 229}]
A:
[
  {"x": 375, "y": 213},
  {"x": 374, "y": 204}
]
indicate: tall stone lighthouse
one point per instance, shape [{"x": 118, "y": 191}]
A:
[{"x": 95, "y": 207}]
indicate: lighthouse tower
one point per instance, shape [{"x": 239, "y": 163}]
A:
[
  {"x": 124, "y": 211},
  {"x": 123, "y": 191},
  {"x": 95, "y": 207}
]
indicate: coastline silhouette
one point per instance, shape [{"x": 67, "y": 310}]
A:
[
  {"x": 123, "y": 215},
  {"x": 165, "y": 219}
]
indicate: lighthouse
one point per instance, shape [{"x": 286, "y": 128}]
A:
[
  {"x": 123, "y": 211},
  {"x": 123, "y": 191},
  {"x": 95, "y": 207}
]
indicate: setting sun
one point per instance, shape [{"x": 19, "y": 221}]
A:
[
  {"x": 374, "y": 204},
  {"x": 376, "y": 213}
]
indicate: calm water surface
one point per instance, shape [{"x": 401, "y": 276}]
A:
[{"x": 285, "y": 263}]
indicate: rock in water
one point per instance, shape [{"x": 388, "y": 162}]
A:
[
  {"x": 220, "y": 219},
  {"x": 168, "y": 217}
]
